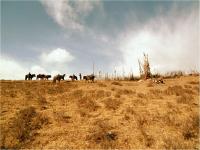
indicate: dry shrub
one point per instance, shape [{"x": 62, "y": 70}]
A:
[
  {"x": 56, "y": 89},
  {"x": 191, "y": 127},
  {"x": 62, "y": 116},
  {"x": 102, "y": 93},
  {"x": 116, "y": 83},
  {"x": 102, "y": 85},
  {"x": 87, "y": 104},
  {"x": 193, "y": 82},
  {"x": 130, "y": 110},
  {"x": 185, "y": 99},
  {"x": 77, "y": 93},
  {"x": 141, "y": 95},
  {"x": 102, "y": 136},
  {"x": 117, "y": 95},
  {"x": 173, "y": 142},
  {"x": 52, "y": 90},
  {"x": 187, "y": 86},
  {"x": 112, "y": 104},
  {"x": 22, "y": 128},
  {"x": 196, "y": 88},
  {"x": 155, "y": 93},
  {"x": 113, "y": 89},
  {"x": 149, "y": 84},
  {"x": 189, "y": 137},
  {"x": 125, "y": 91},
  {"x": 42, "y": 101},
  {"x": 177, "y": 90},
  {"x": 142, "y": 122}
]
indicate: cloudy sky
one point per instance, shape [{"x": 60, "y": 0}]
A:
[{"x": 62, "y": 36}]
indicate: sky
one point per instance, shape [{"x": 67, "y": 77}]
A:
[{"x": 65, "y": 36}]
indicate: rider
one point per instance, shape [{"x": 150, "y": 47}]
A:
[{"x": 80, "y": 76}]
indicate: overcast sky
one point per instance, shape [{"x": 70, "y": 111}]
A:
[{"x": 48, "y": 36}]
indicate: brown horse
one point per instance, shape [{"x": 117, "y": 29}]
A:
[
  {"x": 73, "y": 77},
  {"x": 47, "y": 77},
  {"x": 29, "y": 76},
  {"x": 41, "y": 76},
  {"x": 89, "y": 77},
  {"x": 58, "y": 77}
]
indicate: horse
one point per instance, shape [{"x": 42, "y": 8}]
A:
[
  {"x": 47, "y": 77},
  {"x": 73, "y": 77},
  {"x": 29, "y": 76},
  {"x": 41, "y": 76},
  {"x": 89, "y": 77},
  {"x": 58, "y": 77}
]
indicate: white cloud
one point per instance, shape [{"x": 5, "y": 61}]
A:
[
  {"x": 171, "y": 44},
  {"x": 38, "y": 70},
  {"x": 10, "y": 69},
  {"x": 56, "y": 56},
  {"x": 55, "y": 72},
  {"x": 68, "y": 13}
]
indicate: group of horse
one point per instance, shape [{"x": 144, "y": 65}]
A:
[
  {"x": 59, "y": 77},
  {"x": 39, "y": 76}
]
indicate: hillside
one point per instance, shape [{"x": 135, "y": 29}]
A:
[{"x": 104, "y": 114}]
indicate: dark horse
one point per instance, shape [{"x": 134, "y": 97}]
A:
[
  {"x": 89, "y": 77},
  {"x": 58, "y": 77},
  {"x": 41, "y": 76},
  {"x": 47, "y": 77},
  {"x": 73, "y": 77},
  {"x": 29, "y": 76}
]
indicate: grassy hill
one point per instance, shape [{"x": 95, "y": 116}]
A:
[{"x": 105, "y": 114}]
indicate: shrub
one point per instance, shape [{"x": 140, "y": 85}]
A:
[
  {"x": 102, "y": 136},
  {"x": 117, "y": 83},
  {"x": 87, "y": 103},
  {"x": 177, "y": 90},
  {"x": 102, "y": 85},
  {"x": 22, "y": 128},
  {"x": 125, "y": 91},
  {"x": 141, "y": 95},
  {"x": 155, "y": 93},
  {"x": 185, "y": 99},
  {"x": 193, "y": 82},
  {"x": 191, "y": 127},
  {"x": 62, "y": 116},
  {"x": 112, "y": 104}
]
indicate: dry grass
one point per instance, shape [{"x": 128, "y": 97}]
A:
[
  {"x": 116, "y": 83},
  {"x": 177, "y": 90},
  {"x": 193, "y": 82},
  {"x": 112, "y": 103},
  {"x": 22, "y": 128},
  {"x": 102, "y": 136},
  {"x": 102, "y": 115},
  {"x": 185, "y": 99}
]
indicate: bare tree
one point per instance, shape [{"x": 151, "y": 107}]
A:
[{"x": 144, "y": 68}]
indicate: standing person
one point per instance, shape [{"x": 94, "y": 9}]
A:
[
  {"x": 29, "y": 76},
  {"x": 80, "y": 76}
]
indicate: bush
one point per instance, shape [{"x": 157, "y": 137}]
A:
[
  {"x": 112, "y": 104},
  {"x": 117, "y": 83},
  {"x": 177, "y": 90},
  {"x": 102, "y": 136},
  {"x": 185, "y": 99},
  {"x": 22, "y": 128}
]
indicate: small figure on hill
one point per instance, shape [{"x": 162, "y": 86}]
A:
[{"x": 80, "y": 76}]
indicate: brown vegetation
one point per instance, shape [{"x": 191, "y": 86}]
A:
[{"x": 100, "y": 115}]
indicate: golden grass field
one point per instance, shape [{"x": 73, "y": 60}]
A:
[{"x": 100, "y": 115}]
